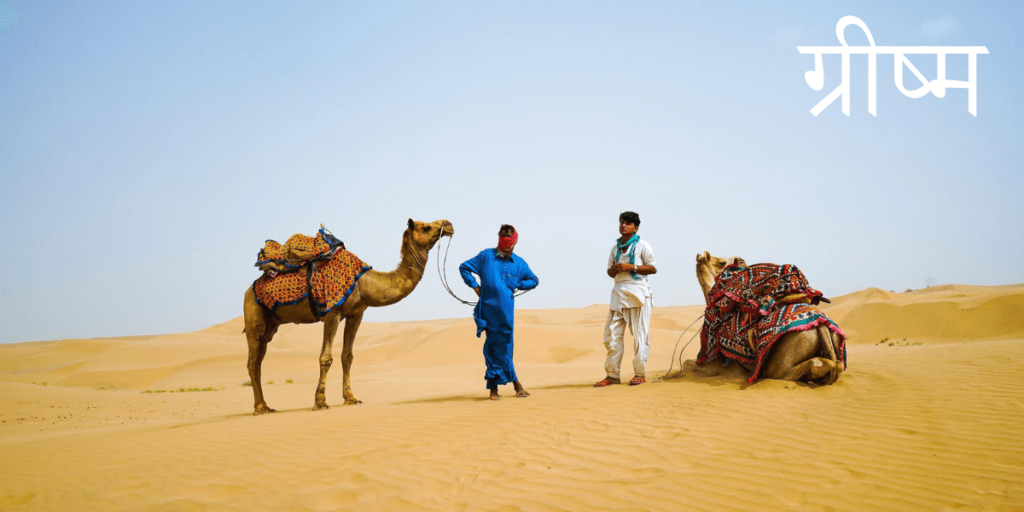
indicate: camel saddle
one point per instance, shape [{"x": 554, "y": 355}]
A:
[
  {"x": 297, "y": 252},
  {"x": 751, "y": 307},
  {"x": 318, "y": 268}
]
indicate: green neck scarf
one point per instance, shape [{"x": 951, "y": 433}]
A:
[{"x": 628, "y": 246}]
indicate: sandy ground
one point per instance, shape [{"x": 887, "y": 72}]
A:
[{"x": 928, "y": 419}]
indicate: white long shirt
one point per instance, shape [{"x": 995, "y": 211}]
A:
[{"x": 629, "y": 292}]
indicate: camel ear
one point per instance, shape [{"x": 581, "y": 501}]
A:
[
  {"x": 707, "y": 255},
  {"x": 412, "y": 224}
]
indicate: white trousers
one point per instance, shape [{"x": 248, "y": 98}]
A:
[{"x": 638, "y": 320}]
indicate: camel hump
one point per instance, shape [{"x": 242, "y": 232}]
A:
[{"x": 299, "y": 250}]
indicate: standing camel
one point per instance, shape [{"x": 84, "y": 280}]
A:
[
  {"x": 798, "y": 355},
  {"x": 373, "y": 289}
]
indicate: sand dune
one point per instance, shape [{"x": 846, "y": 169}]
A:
[
  {"x": 948, "y": 312},
  {"x": 929, "y": 419}
]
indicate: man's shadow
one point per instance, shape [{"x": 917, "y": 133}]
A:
[{"x": 484, "y": 398}]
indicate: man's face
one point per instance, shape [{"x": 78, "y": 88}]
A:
[
  {"x": 627, "y": 228},
  {"x": 511, "y": 249}
]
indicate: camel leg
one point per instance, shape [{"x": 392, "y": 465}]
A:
[
  {"x": 259, "y": 330},
  {"x": 838, "y": 349},
  {"x": 797, "y": 356},
  {"x": 351, "y": 327},
  {"x": 258, "y": 336},
  {"x": 255, "y": 340},
  {"x": 791, "y": 357},
  {"x": 811, "y": 369},
  {"x": 331, "y": 322},
  {"x": 828, "y": 343}
]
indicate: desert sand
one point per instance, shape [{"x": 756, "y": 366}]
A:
[{"x": 928, "y": 416}]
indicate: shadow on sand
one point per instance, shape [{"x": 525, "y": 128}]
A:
[
  {"x": 443, "y": 399},
  {"x": 716, "y": 374},
  {"x": 482, "y": 397}
]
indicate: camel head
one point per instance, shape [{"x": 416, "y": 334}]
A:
[
  {"x": 426, "y": 234},
  {"x": 708, "y": 267}
]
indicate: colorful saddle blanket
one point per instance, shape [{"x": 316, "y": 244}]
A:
[
  {"x": 297, "y": 251},
  {"x": 750, "y": 308},
  {"x": 330, "y": 283}
]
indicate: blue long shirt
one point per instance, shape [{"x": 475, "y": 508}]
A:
[{"x": 499, "y": 280}]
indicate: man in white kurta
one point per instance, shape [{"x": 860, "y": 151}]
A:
[{"x": 630, "y": 263}]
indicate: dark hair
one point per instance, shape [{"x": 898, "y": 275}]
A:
[
  {"x": 506, "y": 230},
  {"x": 630, "y": 217}
]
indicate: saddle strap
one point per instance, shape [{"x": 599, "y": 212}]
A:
[{"x": 309, "y": 289}]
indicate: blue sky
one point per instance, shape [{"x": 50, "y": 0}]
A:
[{"x": 148, "y": 149}]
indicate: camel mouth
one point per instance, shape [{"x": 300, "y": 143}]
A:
[{"x": 446, "y": 229}]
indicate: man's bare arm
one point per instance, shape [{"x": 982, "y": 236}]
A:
[{"x": 644, "y": 270}]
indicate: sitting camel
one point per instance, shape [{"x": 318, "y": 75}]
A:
[
  {"x": 799, "y": 355},
  {"x": 372, "y": 289}
]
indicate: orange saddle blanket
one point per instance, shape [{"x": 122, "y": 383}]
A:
[
  {"x": 297, "y": 251},
  {"x": 311, "y": 267}
]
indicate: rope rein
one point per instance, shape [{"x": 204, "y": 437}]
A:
[
  {"x": 672, "y": 360},
  {"x": 442, "y": 273}
]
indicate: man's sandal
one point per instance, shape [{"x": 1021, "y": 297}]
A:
[
  {"x": 635, "y": 381},
  {"x": 607, "y": 381}
]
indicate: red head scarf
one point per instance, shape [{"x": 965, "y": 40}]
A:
[{"x": 505, "y": 243}]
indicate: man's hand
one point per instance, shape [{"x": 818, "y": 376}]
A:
[
  {"x": 477, "y": 290},
  {"x": 621, "y": 267}
]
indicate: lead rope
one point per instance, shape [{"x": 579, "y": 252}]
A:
[
  {"x": 673, "y": 360},
  {"x": 442, "y": 273}
]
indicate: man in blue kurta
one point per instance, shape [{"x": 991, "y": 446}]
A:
[{"x": 501, "y": 273}]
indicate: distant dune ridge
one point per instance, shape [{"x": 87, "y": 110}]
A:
[{"x": 927, "y": 417}]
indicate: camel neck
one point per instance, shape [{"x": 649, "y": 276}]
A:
[
  {"x": 386, "y": 288},
  {"x": 706, "y": 279}
]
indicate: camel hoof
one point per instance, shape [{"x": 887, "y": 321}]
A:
[
  {"x": 352, "y": 401},
  {"x": 836, "y": 372},
  {"x": 261, "y": 410},
  {"x": 320, "y": 405}
]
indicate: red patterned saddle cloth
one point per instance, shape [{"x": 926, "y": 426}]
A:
[
  {"x": 329, "y": 282},
  {"x": 750, "y": 308}
]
